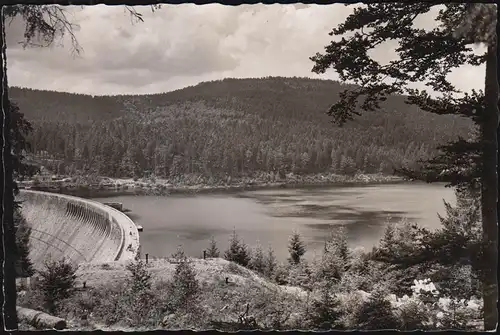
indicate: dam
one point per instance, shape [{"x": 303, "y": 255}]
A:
[{"x": 81, "y": 230}]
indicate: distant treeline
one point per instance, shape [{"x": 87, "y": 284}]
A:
[{"x": 229, "y": 128}]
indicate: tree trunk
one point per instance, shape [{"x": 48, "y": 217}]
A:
[
  {"x": 489, "y": 184},
  {"x": 40, "y": 320},
  {"x": 8, "y": 318}
]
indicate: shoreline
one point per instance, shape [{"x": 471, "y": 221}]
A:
[{"x": 129, "y": 187}]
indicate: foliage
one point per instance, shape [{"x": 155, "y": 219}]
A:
[
  {"x": 237, "y": 251},
  {"x": 270, "y": 263},
  {"x": 328, "y": 269},
  {"x": 179, "y": 255},
  {"x": 427, "y": 308},
  {"x": 259, "y": 128},
  {"x": 428, "y": 56},
  {"x": 257, "y": 260},
  {"x": 299, "y": 275},
  {"x": 213, "y": 251},
  {"x": 451, "y": 255},
  {"x": 24, "y": 266},
  {"x": 140, "y": 279},
  {"x": 185, "y": 285},
  {"x": 57, "y": 282},
  {"x": 296, "y": 248},
  {"x": 324, "y": 312},
  {"x": 376, "y": 313}
]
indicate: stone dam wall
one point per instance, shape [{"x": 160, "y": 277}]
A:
[{"x": 81, "y": 230}]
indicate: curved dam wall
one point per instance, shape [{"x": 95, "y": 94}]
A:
[{"x": 79, "y": 229}]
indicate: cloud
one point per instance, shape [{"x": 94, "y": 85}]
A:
[{"x": 181, "y": 45}]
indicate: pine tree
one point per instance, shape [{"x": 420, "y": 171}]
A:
[
  {"x": 237, "y": 251},
  {"x": 213, "y": 251},
  {"x": 270, "y": 263},
  {"x": 185, "y": 284},
  {"x": 338, "y": 244},
  {"x": 57, "y": 282},
  {"x": 296, "y": 248},
  {"x": 257, "y": 261},
  {"x": 387, "y": 243},
  {"x": 140, "y": 278},
  {"x": 457, "y": 26},
  {"x": 325, "y": 313},
  {"x": 376, "y": 313}
]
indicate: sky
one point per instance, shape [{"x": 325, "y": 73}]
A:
[{"x": 183, "y": 45}]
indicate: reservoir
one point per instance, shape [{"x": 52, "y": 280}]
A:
[{"x": 269, "y": 217}]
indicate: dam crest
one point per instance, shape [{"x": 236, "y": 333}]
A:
[{"x": 81, "y": 230}]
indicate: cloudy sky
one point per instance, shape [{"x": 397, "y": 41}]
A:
[{"x": 183, "y": 45}]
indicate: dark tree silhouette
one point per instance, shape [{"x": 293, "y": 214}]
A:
[
  {"x": 296, "y": 248},
  {"x": 44, "y": 25},
  {"x": 427, "y": 57}
]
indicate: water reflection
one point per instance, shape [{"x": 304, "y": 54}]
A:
[{"x": 269, "y": 217}]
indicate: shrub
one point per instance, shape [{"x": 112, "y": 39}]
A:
[
  {"x": 376, "y": 313},
  {"x": 281, "y": 274},
  {"x": 299, "y": 275},
  {"x": 412, "y": 316},
  {"x": 57, "y": 282}
]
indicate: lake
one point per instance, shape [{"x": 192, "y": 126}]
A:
[{"x": 269, "y": 217}]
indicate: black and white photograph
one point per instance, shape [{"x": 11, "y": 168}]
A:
[{"x": 236, "y": 166}]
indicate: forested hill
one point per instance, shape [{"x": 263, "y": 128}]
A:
[{"x": 231, "y": 127}]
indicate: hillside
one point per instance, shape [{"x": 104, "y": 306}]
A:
[{"x": 229, "y": 128}]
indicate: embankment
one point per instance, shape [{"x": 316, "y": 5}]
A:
[{"x": 81, "y": 230}]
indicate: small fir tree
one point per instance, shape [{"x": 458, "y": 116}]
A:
[
  {"x": 237, "y": 251},
  {"x": 213, "y": 251},
  {"x": 140, "y": 279},
  {"x": 338, "y": 245},
  {"x": 296, "y": 249},
  {"x": 270, "y": 263},
  {"x": 376, "y": 313},
  {"x": 325, "y": 313},
  {"x": 57, "y": 282},
  {"x": 185, "y": 284},
  {"x": 257, "y": 261}
]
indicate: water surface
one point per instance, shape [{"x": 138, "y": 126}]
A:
[{"x": 268, "y": 217}]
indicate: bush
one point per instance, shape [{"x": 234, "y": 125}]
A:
[
  {"x": 57, "y": 282},
  {"x": 281, "y": 274},
  {"x": 376, "y": 313},
  {"x": 299, "y": 275}
]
